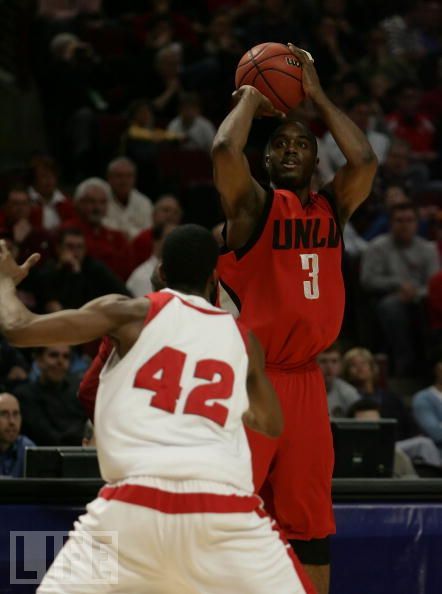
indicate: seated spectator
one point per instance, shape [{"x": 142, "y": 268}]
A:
[
  {"x": 167, "y": 210},
  {"x": 360, "y": 369},
  {"x": 129, "y": 211},
  {"x": 165, "y": 86},
  {"x": 367, "y": 410},
  {"x": 197, "y": 130},
  {"x": 13, "y": 365},
  {"x": 331, "y": 157},
  {"x": 427, "y": 408},
  {"x": 379, "y": 61},
  {"x": 395, "y": 269},
  {"x": 139, "y": 282},
  {"x": 73, "y": 278},
  {"x": 52, "y": 206},
  {"x": 111, "y": 247},
  {"x": 273, "y": 21},
  {"x": 340, "y": 394},
  {"x": 435, "y": 314},
  {"x": 12, "y": 444},
  {"x": 88, "y": 440},
  {"x": 403, "y": 32},
  {"x": 52, "y": 414},
  {"x": 222, "y": 37},
  {"x": 17, "y": 219},
  {"x": 413, "y": 126},
  {"x": 398, "y": 169}
]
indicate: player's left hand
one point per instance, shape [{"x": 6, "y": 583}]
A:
[
  {"x": 310, "y": 79},
  {"x": 9, "y": 267}
]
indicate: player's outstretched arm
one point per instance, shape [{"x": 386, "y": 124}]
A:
[
  {"x": 107, "y": 315},
  {"x": 352, "y": 182},
  {"x": 264, "y": 414},
  {"x": 242, "y": 198}
]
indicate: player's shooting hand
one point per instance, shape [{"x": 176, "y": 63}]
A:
[
  {"x": 9, "y": 267},
  {"x": 310, "y": 79},
  {"x": 263, "y": 106}
]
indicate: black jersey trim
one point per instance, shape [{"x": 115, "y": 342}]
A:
[
  {"x": 331, "y": 199},
  {"x": 231, "y": 293},
  {"x": 259, "y": 228}
]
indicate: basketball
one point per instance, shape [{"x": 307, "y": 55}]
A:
[{"x": 275, "y": 72}]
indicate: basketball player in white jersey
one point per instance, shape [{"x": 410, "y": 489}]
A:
[{"x": 170, "y": 439}]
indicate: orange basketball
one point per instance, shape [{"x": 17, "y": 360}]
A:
[{"x": 275, "y": 72}]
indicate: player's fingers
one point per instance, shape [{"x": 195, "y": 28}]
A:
[
  {"x": 31, "y": 261},
  {"x": 303, "y": 55},
  {"x": 3, "y": 247}
]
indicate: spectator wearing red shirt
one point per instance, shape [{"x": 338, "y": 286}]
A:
[
  {"x": 167, "y": 210},
  {"x": 107, "y": 245},
  {"x": 410, "y": 124},
  {"x": 52, "y": 207},
  {"x": 16, "y": 221}
]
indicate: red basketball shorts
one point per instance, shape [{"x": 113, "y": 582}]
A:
[{"x": 293, "y": 473}]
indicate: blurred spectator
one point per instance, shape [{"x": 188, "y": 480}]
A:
[
  {"x": 427, "y": 408},
  {"x": 331, "y": 158},
  {"x": 410, "y": 124},
  {"x": 435, "y": 314},
  {"x": 13, "y": 365},
  {"x": 197, "y": 130},
  {"x": 12, "y": 444},
  {"x": 396, "y": 268},
  {"x": 222, "y": 37},
  {"x": 398, "y": 169},
  {"x": 52, "y": 414},
  {"x": 393, "y": 195},
  {"x": 88, "y": 440},
  {"x": 379, "y": 61},
  {"x": 67, "y": 9},
  {"x": 129, "y": 211},
  {"x": 73, "y": 278},
  {"x": 360, "y": 369},
  {"x": 111, "y": 247},
  {"x": 165, "y": 87},
  {"x": 402, "y": 30},
  {"x": 167, "y": 210},
  {"x": 273, "y": 21},
  {"x": 139, "y": 282},
  {"x": 16, "y": 218},
  {"x": 367, "y": 410},
  {"x": 52, "y": 206},
  {"x": 161, "y": 24},
  {"x": 340, "y": 394}
]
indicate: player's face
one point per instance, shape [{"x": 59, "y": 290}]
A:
[{"x": 292, "y": 158}]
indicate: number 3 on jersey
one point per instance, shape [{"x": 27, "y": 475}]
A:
[
  {"x": 162, "y": 374},
  {"x": 310, "y": 262}
]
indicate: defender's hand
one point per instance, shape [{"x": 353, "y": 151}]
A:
[
  {"x": 9, "y": 267},
  {"x": 310, "y": 79},
  {"x": 264, "y": 106}
]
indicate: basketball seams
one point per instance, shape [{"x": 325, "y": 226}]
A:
[
  {"x": 282, "y": 72},
  {"x": 259, "y": 73}
]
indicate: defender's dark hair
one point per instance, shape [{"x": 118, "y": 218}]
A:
[
  {"x": 190, "y": 254},
  {"x": 362, "y": 405}
]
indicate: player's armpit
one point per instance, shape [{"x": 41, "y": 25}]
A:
[
  {"x": 97, "y": 318},
  {"x": 352, "y": 185},
  {"x": 264, "y": 414}
]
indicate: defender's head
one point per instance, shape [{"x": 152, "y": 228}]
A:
[
  {"x": 291, "y": 156},
  {"x": 190, "y": 255}
]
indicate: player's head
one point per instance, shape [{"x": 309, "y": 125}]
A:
[
  {"x": 190, "y": 254},
  {"x": 291, "y": 156}
]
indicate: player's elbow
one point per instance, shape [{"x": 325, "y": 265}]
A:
[
  {"x": 15, "y": 335},
  {"x": 274, "y": 427},
  {"x": 365, "y": 157}
]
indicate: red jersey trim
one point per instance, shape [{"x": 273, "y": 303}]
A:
[
  {"x": 180, "y": 503},
  {"x": 297, "y": 565},
  {"x": 157, "y": 302},
  {"x": 210, "y": 312}
]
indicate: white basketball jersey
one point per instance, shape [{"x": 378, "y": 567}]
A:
[{"x": 172, "y": 407}]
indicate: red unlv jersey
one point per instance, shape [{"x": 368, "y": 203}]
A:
[{"x": 286, "y": 282}]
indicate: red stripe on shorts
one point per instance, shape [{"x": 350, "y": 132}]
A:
[
  {"x": 181, "y": 503},
  {"x": 300, "y": 571}
]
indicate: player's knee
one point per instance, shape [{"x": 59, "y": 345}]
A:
[{"x": 312, "y": 552}]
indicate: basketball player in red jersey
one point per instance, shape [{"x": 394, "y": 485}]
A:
[{"x": 281, "y": 270}]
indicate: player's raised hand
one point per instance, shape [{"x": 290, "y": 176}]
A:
[
  {"x": 310, "y": 79},
  {"x": 264, "y": 106},
  {"x": 9, "y": 267}
]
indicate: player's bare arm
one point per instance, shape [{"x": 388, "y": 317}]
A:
[
  {"x": 242, "y": 197},
  {"x": 115, "y": 315},
  {"x": 264, "y": 414},
  {"x": 352, "y": 182}
]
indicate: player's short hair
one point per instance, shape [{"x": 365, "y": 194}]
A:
[{"x": 190, "y": 254}]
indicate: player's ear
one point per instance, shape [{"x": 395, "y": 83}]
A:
[
  {"x": 267, "y": 161},
  {"x": 161, "y": 274}
]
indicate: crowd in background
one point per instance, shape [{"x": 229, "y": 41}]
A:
[{"x": 110, "y": 109}]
